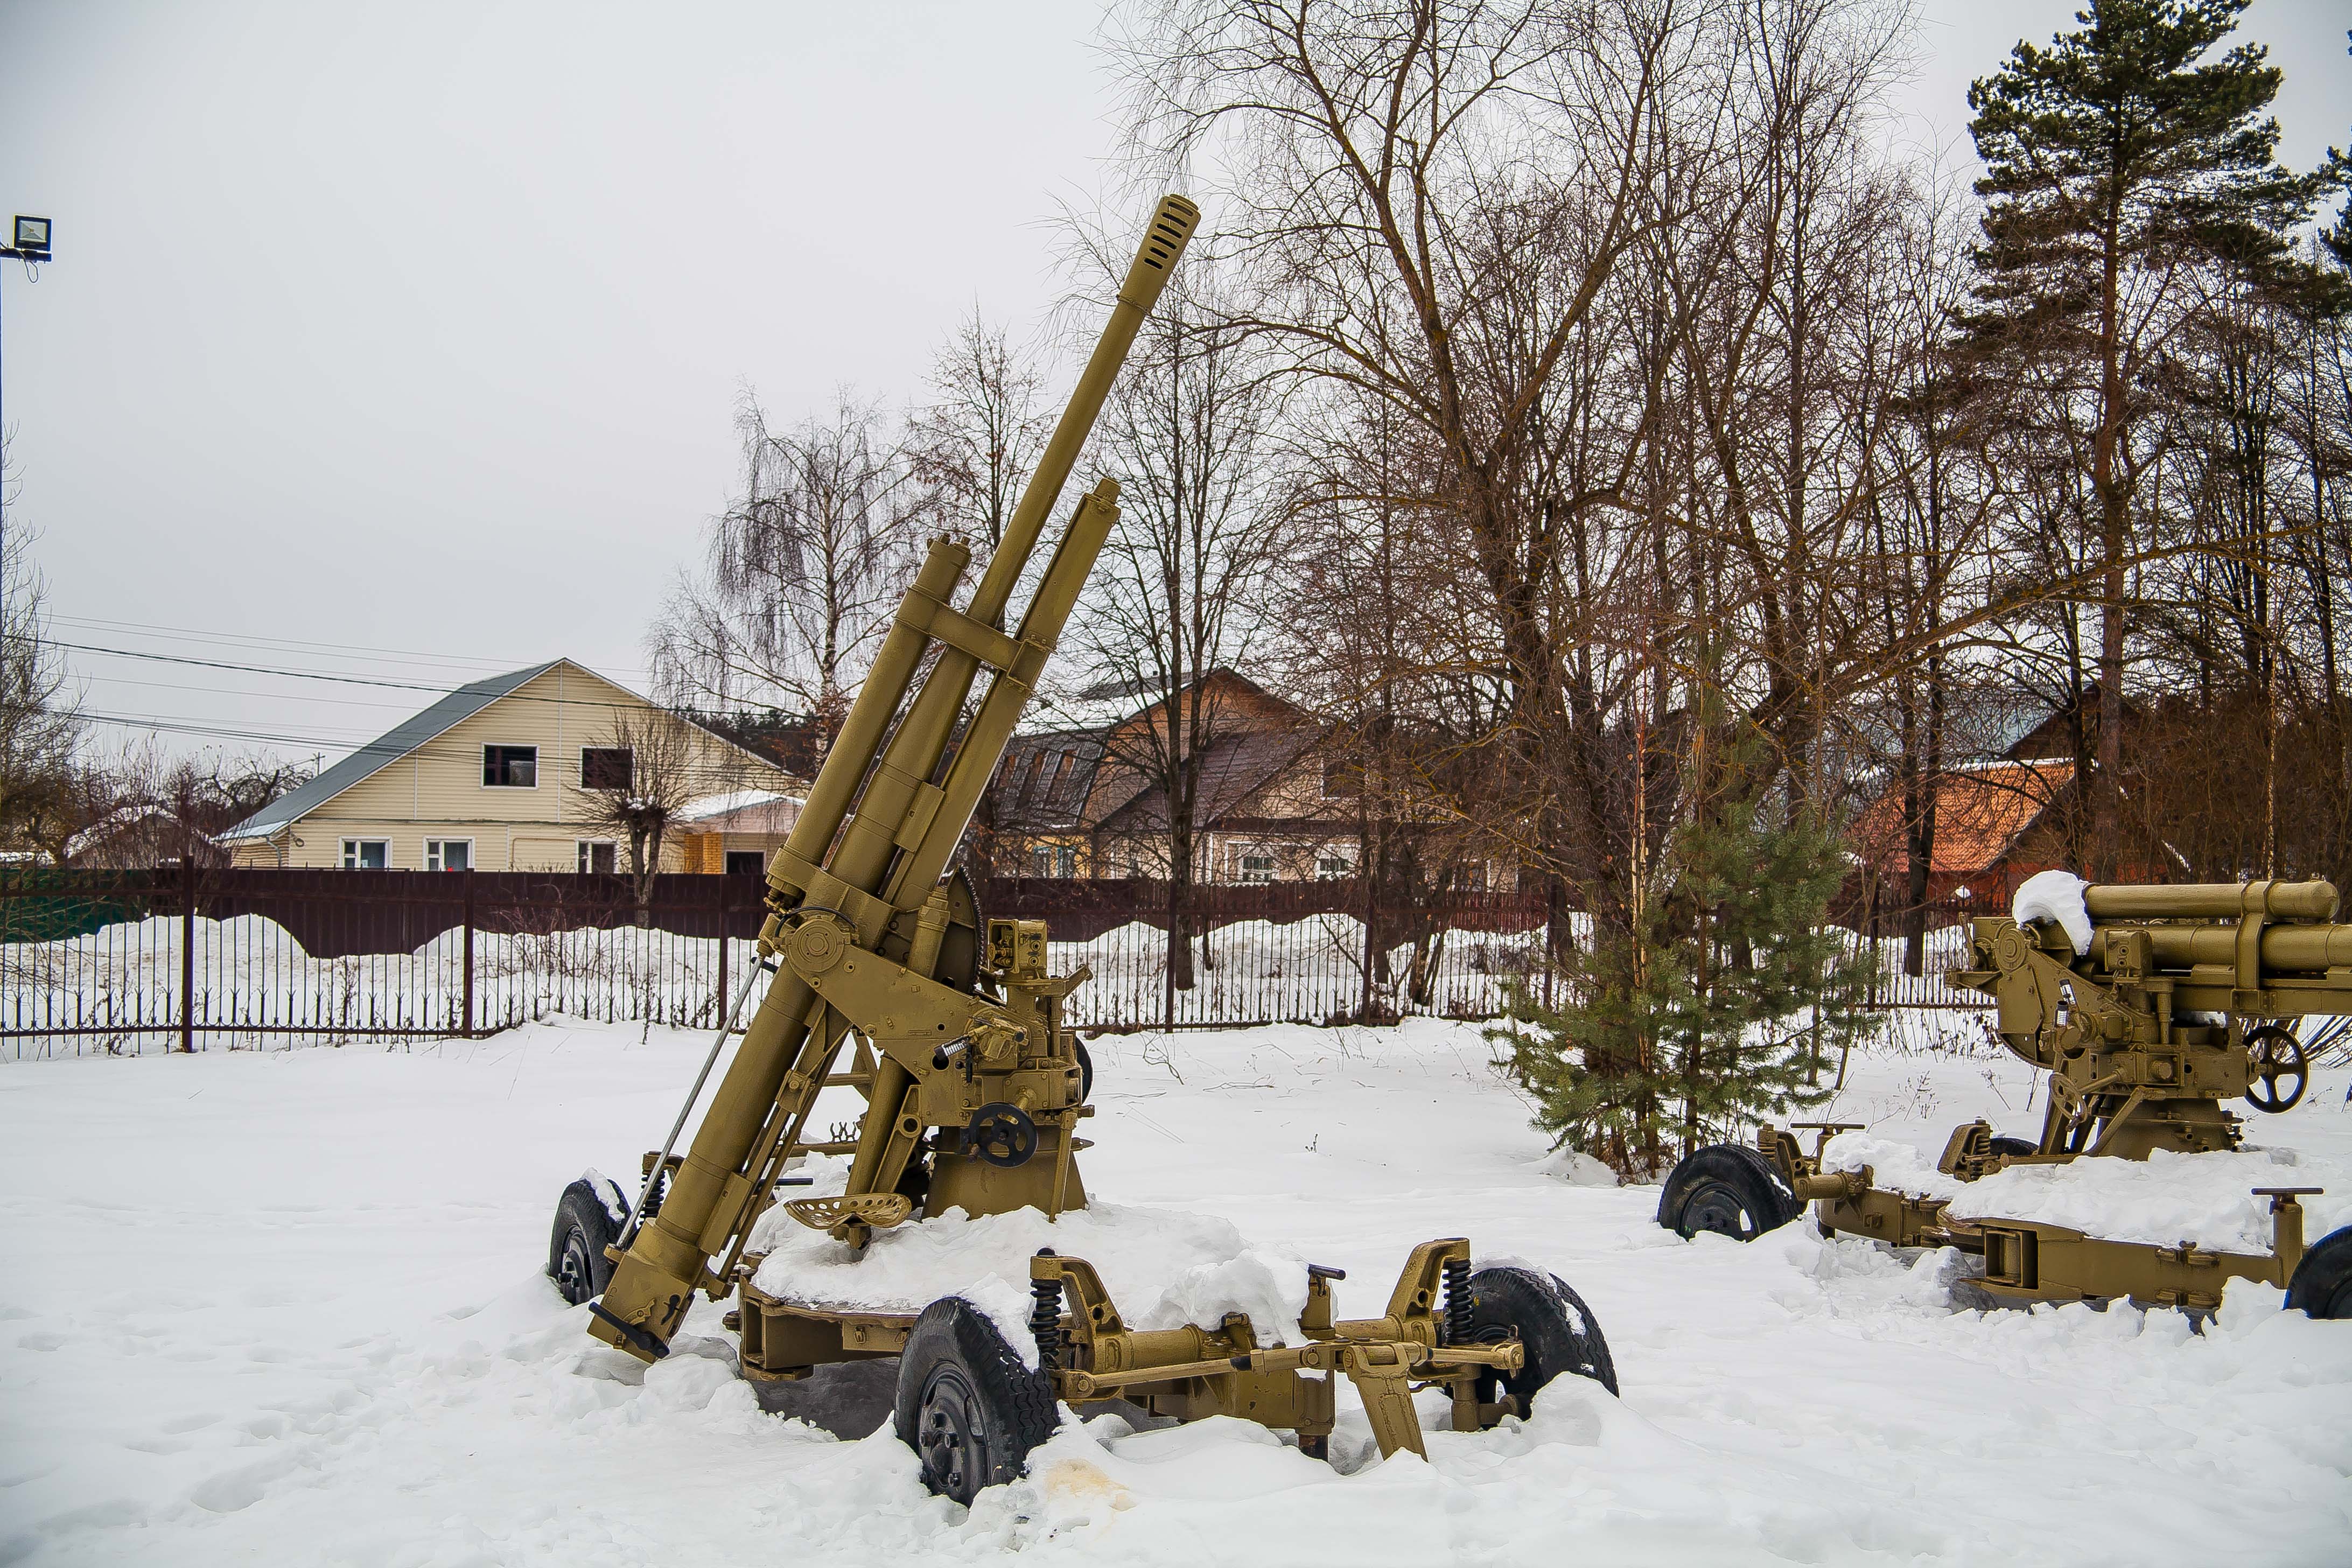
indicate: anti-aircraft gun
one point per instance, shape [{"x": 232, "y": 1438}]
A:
[
  {"x": 2165, "y": 1002},
  {"x": 974, "y": 1083}
]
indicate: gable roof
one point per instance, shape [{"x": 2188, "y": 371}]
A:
[
  {"x": 385, "y": 750},
  {"x": 1051, "y": 807},
  {"x": 1232, "y": 768},
  {"x": 1981, "y": 813},
  {"x": 123, "y": 819},
  {"x": 1114, "y": 704}
]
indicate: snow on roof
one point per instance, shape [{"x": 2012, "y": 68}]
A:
[
  {"x": 123, "y": 818},
  {"x": 733, "y": 800},
  {"x": 743, "y": 811}
]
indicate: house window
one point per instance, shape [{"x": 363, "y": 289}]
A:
[
  {"x": 746, "y": 863},
  {"x": 1257, "y": 867},
  {"x": 607, "y": 767},
  {"x": 597, "y": 854},
  {"x": 448, "y": 854},
  {"x": 1061, "y": 774},
  {"x": 367, "y": 854},
  {"x": 1054, "y": 860},
  {"x": 1332, "y": 868},
  {"x": 510, "y": 767}
]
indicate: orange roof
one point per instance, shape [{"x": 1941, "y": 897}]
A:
[{"x": 1979, "y": 813}]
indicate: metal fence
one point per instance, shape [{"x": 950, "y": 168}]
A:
[{"x": 125, "y": 961}]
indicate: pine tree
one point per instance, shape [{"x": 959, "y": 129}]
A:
[
  {"x": 2337, "y": 237},
  {"x": 1717, "y": 1006},
  {"x": 2125, "y": 174},
  {"x": 1778, "y": 989}
]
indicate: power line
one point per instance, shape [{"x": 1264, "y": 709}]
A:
[
  {"x": 337, "y": 699},
  {"x": 250, "y": 668},
  {"x": 399, "y": 656},
  {"x": 343, "y": 679}
]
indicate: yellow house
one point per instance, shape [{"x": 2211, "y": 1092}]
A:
[{"x": 501, "y": 776}]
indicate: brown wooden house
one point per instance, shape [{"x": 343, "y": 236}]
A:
[{"x": 1072, "y": 801}]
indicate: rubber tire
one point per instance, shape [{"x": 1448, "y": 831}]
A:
[
  {"x": 1007, "y": 1409},
  {"x": 1086, "y": 1073},
  {"x": 2002, "y": 1143},
  {"x": 1557, "y": 1330},
  {"x": 583, "y": 1229},
  {"x": 1720, "y": 1181},
  {"x": 2322, "y": 1285}
]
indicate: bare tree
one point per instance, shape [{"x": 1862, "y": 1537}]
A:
[
  {"x": 970, "y": 447},
  {"x": 41, "y": 725},
  {"x": 649, "y": 772},
  {"x": 1177, "y": 595},
  {"x": 798, "y": 574}
]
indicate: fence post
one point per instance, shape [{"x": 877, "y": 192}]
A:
[
  {"x": 719, "y": 1006},
  {"x": 188, "y": 954},
  {"x": 468, "y": 949}
]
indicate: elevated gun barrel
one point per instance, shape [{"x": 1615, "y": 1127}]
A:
[{"x": 880, "y": 826}]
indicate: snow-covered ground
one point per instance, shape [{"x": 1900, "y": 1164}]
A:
[{"x": 288, "y": 1308}]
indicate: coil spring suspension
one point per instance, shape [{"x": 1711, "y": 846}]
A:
[
  {"x": 1046, "y": 1317},
  {"x": 1458, "y": 1327}
]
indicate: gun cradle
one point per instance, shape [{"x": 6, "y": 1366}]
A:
[{"x": 2127, "y": 1030}]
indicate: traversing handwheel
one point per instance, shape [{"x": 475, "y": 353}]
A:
[
  {"x": 1000, "y": 1134},
  {"x": 2277, "y": 1058}
]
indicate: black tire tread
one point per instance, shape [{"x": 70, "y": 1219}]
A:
[
  {"x": 582, "y": 1207},
  {"x": 2322, "y": 1285},
  {"x": 1020, "y": 1399},
  {"x": 1763, "y": 1192},
  {"x": 1546, "y": 1313}
]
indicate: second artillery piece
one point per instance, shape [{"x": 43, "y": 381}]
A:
[
  {"x": 2166, "y": 1002},
  {"x": 974, "y": 1084}
]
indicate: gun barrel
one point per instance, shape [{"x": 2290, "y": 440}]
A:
[
  {"x": 893, "y": 836},
  {"x": 2313, "y": 900},
  {"x": 2306, "y": 949},
  {"x": 1155, "y": 262}
]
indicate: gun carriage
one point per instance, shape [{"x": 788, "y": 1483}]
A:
[
  {"x": 2181, "y": 997},
  {"x": 974, "y": 1084}
]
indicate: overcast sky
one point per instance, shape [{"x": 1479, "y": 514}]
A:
[{"x": 403, "y": 340}]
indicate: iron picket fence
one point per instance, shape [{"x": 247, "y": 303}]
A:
[{"x": 126, "y": 962}]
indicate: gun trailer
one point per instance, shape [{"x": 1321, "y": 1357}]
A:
[
  {"x": 975, "y": 1085},
  {"x": 2175, "y": 999}
]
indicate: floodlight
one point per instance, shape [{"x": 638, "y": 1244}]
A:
[{"x": 32, "y": 236}]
